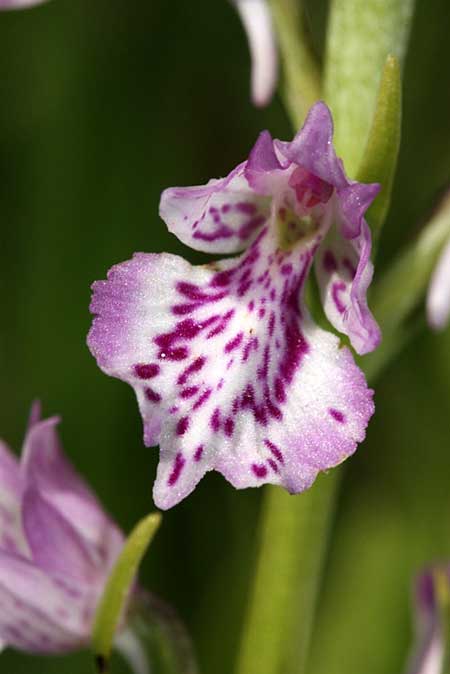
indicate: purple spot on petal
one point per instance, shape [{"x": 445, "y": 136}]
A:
[
  {"x": 146, "y": 371},
  {"x": 202, "y": 399},
  {"x": 259, "y": 470},
  {"x": 174, "y": 354},
  {"x": 176, "y": 470},
  {"x": 152, "y": 395},
  {"x": 271, "y": 323},
  {"x": 195, "y": 366},
  {"x": 234, "y": 343},
  {"x": 246, "y": 207},
  {"x": 183, "y": 309},
  {"x": 189, "y": 392},
  {"x": 222, "y": 278},
  {"x": 198, "y": 453},
  {"x": 275, "y": 450},
  {"x": 215, "y": 420},
  {"x": 182, "y": 426},
  {"x": 229, "y": 427},
  {"x": 273, "y": 465},
  {"x": 335, "y": 290},
  {"x": 280, "y": 393},
  {"x": 337, "y": 414}
]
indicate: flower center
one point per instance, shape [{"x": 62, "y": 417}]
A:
[
  {"x": 293, "y": 228},
  {"x": 301, "y": 222}
]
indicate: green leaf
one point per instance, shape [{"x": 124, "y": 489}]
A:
[
  {"x": 112, "y": 602},
  {"x": 361, "y": 34},
  {"x": 381, "y": 154}
]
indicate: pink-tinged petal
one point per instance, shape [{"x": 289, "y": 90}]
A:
[
  {"x": 40, "y": 614},
  {"x": 220, "y": 217},
  {"x": 313, "y": 148},
  {"x": 55, "y": 546},
  {"x": 227, "y": 367},
  {"x": 353, "y": 201},
  {"x": 438, "y": 298},
  {"x": 264, "y": 171},
  {"x": 344, "y": 272},
  {"x": 11, "y": 484},
  {"x": 257, "y": 21},
  {"x": 45, "y": 467},
  {"x": 431, "y": 618}
]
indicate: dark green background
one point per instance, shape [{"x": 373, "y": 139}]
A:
[{"x": 102, "y": 105}]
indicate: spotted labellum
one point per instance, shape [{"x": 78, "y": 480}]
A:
[{"x": 230, "y": 371}]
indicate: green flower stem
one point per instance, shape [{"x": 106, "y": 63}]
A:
[
  {"x": 292, "y": 541},
  {"x": 301, "y": 86},
  {"x": 294, "y": 530}
]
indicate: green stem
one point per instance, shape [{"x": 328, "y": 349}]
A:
[
  {"x": 293, "y": 531},
  {"x": 301, "y": 86},
  {"x": 281, "y": 608}
]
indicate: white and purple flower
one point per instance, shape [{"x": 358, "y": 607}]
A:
[
  {"x": 57, "y": 546},
  {"x": 230, "y": 371}
]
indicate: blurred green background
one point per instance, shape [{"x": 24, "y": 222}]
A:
[{"x": 102, "y": 105}]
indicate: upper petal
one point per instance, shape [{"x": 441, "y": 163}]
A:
[
  {"x": 257, "y": 20},
  {"x": 38, "y": 613},
  {"x": 229, "y": 371},
  {"x": 438, "y": 298},
  {"x": 264, "y": 171},
  {"x": 45, "y": 467},
  {"x": 344, "y": 272},
  {"x": 313, "y": 148},
  {"x": 220, "y": 217}
]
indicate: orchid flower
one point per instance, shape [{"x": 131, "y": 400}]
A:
[
  {"x": 257, "y": 21},
  {"x": 438, "y": 298},
  {"x": 19, "y": 4},
  {"x": 432, "y": 599},
  {"x": 57, "y": 546},
  {"x": 229, "y": 369}
]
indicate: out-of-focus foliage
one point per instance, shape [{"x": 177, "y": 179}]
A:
[{"x": 102, "y": 105}]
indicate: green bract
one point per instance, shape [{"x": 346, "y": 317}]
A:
[
  {"x": 121, "y": 579},
  {"x": 380, "y": 157}
]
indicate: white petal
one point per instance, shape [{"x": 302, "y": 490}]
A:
[{"x": 438, "y": 299}]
